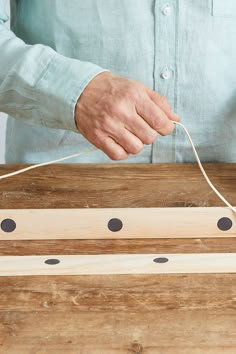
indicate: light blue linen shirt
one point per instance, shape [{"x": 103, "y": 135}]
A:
[{"x": 183, "y": 49}]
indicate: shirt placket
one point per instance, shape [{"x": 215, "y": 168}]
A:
[{"x": 165, "y": 69}]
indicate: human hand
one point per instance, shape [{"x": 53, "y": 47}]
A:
[{"x": 119, "y": 115}]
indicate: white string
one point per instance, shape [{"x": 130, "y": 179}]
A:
[
  {"x": 203, "y": 171},
  {"x": 94, "y": 149},
  {"x": 46, "y": 163}
]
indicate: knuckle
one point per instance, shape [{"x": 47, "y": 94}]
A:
[
  {"x": 163, "y": 100},
  {"x": 150, "y": 138},
  {"x": 168, "y": 130},
  {"x": 104, "y": 121},
  {"x": 118, "y": 109},
  {"x": 159, "y": 123},
  {"x": 136, "y": 148},
  {"x": 118, "y": 155},
  {"x": 131, "y": 92},
  {"x": 96, "y": 136},
  {"x": 128, "y": 119}
]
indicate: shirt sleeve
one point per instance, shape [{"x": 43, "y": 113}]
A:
[{"x": 37, "y": 84}]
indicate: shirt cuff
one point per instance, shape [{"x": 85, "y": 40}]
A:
[{"x": 60, "y": 88}]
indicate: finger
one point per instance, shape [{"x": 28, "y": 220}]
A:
[
  {"x": 109, "y": 147},
  {"x": 141, "y": 129},
  {"x": 155, "y": 116},
  {"x": 113, "y": 150},
  {"x": 163, "y": 103},
  {"x": 130, "y": 142}
]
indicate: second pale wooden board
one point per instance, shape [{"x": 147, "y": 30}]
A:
[{"x": 118, "y": 264}]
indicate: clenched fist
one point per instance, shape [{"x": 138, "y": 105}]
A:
[{"x": 120, "y": 115}]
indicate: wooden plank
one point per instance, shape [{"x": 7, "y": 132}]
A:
[
  {"x": 116, "y": 223},
  {"x": 118, "y": 314},
  {"x": 118, "y": 246},
  {"x": 116, "y": 293},
  {"x": 78, "y": 332},
  {"x": 117, "y": 186},
  {"x": 118, "y": 264}
]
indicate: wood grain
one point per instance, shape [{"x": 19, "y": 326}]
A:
[
  {"x": 142, "y": 314},
  {"x": 165, "y": 332},
  {"x": 117, "y": 186}
]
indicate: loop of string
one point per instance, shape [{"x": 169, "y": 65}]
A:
[{"x": 94, "y": 149}]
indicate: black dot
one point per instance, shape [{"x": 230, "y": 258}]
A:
[
  {"x": 115, "y": 225},
  {"x": 224, "y": 224},
  {"x": 8, "y": 225},
  {"x": 161, "y": 260},
  {"x": 52, "y": 261}
]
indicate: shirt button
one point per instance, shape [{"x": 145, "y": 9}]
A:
[
  {"x": 166, "y": 74},
  {"x": 167, "y": 10}
]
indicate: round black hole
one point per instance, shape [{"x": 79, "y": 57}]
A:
[
  {"x": 115, "y": 225},
  {"x": 161, "y": 260},
  {"x": 224, "y": 224},
  {"x": 52, "y": 261},
  {"x": 8, "y": 225}
]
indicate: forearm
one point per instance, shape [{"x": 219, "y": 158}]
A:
[{"x": 37, "y": 84}]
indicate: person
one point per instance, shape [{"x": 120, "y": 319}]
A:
[{"x": 115, "y": 74}]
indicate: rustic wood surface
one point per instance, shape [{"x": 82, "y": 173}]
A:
[{"x": 106, "y": 314}]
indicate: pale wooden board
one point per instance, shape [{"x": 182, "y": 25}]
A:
[
  {"x": 118, "y": 264},
  {"x": 33, "y": 224}
]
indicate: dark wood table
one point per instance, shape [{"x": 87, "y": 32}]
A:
[{"x": 148, "y": 314}]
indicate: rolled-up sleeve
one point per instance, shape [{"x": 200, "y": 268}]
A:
[{"x": 37, "y": 84}]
